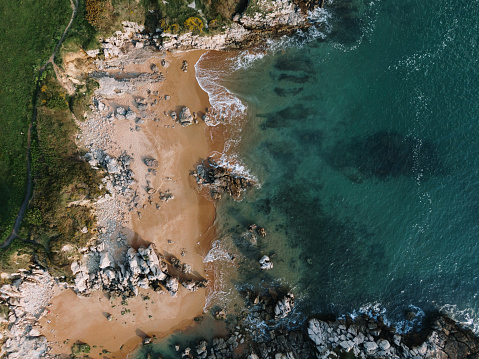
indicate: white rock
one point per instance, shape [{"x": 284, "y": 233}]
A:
[
  {"x": 105, "y": 260},
  {"x": 370, "y": 346},
  {"x": 75, "y": 267},
  {"x": 318, "y": 331},
  {"x": 384, "y": 344},
  {"x": 266, "y": 263},
  {"x": 172, "y": 285},
  {"x": 284, "y": 306},
  {"x": 347, "y": 345}
]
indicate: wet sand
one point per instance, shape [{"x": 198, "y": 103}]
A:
[{"x": 183, "y": 227}]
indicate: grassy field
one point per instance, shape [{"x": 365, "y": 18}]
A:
[{"x": 30, "y": 29}]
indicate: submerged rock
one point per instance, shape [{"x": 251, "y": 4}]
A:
[{"x": 266, "y": 263}]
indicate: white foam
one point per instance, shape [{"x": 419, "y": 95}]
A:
[
  {"x": 234, "y": 165},
  {"x": 217, "y": 261},
  {"x": 375, "y": 310},
  {"x": 217, "y": 253},
  {"x": 465, "y": 317},
  {"x": 227, "y": 107},
  {"x": 247, "y": 58}
]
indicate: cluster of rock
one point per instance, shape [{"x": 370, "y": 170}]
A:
[
  {"x": 129, "y": 271},
  {"x": 127, "y": 84},
  {"x": 273, "y": 14},
  {"x": 186, "y": 118},
  {"x": 112, "y": 45},
  {"x": 340, "y": 339},
  {"x": 119, "y": 176},
  {"x": 27, "y": 298},
  {"x": 221, "y": 179},
  {"x": 268, "y": 306},
  {"x": 368, "y": 338},
  {"x": 271, "y": 18},
  {"x": 266, "y": 263}
]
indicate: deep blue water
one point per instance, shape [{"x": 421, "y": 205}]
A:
[{"x": 365, "y": 145}]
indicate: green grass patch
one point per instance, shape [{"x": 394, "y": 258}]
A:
[{"x": 30, "y": 30}]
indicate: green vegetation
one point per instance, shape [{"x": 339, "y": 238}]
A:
[
  {"x": 82, "y": 99},
  {"x": 80, "y": 348},
  {"x": 171, "y": 16},
  {"x": 61, "y": 178},
  {"x": 30, "y": 30},
  {"x": 222, "y": 9}
]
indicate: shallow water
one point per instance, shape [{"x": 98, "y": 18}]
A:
[{"x": 363, "y": 137}]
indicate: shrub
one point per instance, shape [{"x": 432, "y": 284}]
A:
[
  {"x": 173, "y": 28},
  {"x": 79, "y": 348},
  {"x": 194, "y": 24},
  {"x": 95, "y": 12}
]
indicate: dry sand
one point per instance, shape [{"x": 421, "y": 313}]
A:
[{"x": 183, "y": 227}]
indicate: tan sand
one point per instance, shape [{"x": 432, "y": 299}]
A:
[{"x": 183, "y": 227}]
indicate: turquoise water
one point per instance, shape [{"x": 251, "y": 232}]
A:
[
  {"x": 365, "y": 146},
  {"x": 363, "y": 136}
]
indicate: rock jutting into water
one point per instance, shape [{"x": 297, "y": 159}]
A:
[
  {"x": 362, "y": 337},
  {"x": 221, "y": 179}
]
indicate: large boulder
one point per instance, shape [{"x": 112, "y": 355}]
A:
[
  {"x": 185, "y": 118},
  {"x": 284, "y": 306},
  {"x": 318, "y": 332},
  {"x": 105, "y": 260}
]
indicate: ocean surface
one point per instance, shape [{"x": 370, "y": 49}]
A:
[{"x": 362, "y": 134}]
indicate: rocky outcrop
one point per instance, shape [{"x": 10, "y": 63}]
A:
[
  {"x": 273, "y": 14},
  {"x": 368, "y": 338},
  {"x": 264, "y": 19},
  {"x": 343, "y": 338},
  {"x": 269, "y": 19},
  {"x": 27, "y": 298},
  {"x": 127, "y": 271},
  {"x": 221, "y": 179},
  {"x": 118, "y": 175}
]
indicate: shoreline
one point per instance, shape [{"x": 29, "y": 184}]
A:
[{"x": 182, "y": 228}]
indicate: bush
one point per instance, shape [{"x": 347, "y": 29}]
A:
[
  {"x": 80, "y": 348},
  {"x": 95, "y": 11},
  {"x": 194, "y": 24}
]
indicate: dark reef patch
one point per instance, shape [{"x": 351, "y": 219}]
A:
[
  {"x": 384, "y": 155},
  {"x": 285, "y": 117},
  {"x": 281, "y": 92},
  {"x": 330, "y": 246},
  {"x": 294, "y": 62},
  {"x": 346, "y": 23},
  {"x": 295, "y": 79}
]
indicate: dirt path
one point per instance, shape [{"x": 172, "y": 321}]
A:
[{"x": 23, "y": 208}]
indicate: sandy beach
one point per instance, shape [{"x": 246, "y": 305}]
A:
[{"x": 182, "y": 227}]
